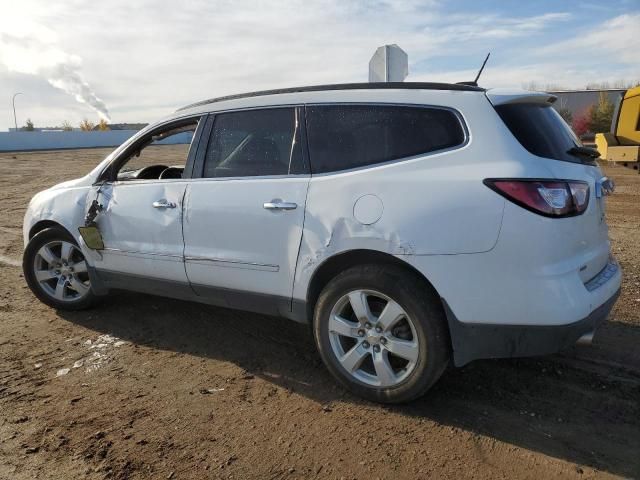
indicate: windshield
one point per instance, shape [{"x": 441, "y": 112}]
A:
[{"x": 541, "y": 130}]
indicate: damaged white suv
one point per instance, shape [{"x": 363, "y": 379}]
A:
[{"x": 410, "y": 224}]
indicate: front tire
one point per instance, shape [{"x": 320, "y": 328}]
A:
[
  {"x": 56, "y": 271},
  {"x": 382, "y": 333}
]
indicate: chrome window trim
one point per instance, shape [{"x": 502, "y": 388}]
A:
[
  {"x": 139, "y": 181},
  {"x": 296, "y": 176},
  {"x": 456, "y": 112}
]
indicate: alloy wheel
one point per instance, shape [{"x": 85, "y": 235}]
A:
[
  {"x": 373, "y": 338},
  {"x": 61, "y": 271}
]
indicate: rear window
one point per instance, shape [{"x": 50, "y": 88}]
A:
[
  {"x": 348, "y": 136},
  {"x": 541, "y": 130}
]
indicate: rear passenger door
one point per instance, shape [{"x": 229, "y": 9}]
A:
[{"x": 245, "y": 208}]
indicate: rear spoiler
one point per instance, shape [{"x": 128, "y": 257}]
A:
[{"x": 502, "y": 96}]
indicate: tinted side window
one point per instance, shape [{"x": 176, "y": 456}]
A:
[
  {"x": 254, "y": 143},
  {"x": 349, "y": 136},
  {"x": 541, "y": 130}
]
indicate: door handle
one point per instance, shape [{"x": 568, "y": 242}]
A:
[
  {"x": 162, "y": 203},
  {"x": 278, "y": 204}
]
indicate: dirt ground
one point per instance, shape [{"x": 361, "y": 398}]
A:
[{"x": 146, "y": 387}]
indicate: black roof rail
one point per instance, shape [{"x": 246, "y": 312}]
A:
[{"x": 345, "y": 86}]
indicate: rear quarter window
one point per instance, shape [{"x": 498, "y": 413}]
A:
[
  {"x": 541, "y": 130},
  {"x": 342, "y": 137}
]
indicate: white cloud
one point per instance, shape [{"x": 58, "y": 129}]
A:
[
  {"x": 147, "y": 57},
  {"x": 470, "y": 28},
  {"x": 616, "y": 39},
  {"x": 61, "y": 69},
  {"x": 545, "y": 75},
  {"x": 30, "y": 48}
]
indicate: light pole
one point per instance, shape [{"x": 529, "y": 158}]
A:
[{"x": 15, "y": 120}]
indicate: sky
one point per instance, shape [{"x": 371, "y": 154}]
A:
[{"x": 137, "y": 61}]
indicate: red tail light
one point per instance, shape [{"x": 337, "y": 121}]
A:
[{"x": 550, "y": 198}]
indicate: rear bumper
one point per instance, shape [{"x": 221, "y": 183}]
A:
[{"x": 473, "y": 341}]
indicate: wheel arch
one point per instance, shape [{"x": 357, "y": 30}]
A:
[
  {"x": 43, "y": 225},
  {"x": 340, "y": 262}
]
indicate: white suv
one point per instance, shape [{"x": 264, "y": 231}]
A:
[{"x": 408, "y": 224}]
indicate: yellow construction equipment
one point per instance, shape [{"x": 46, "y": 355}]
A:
[{"x": 622, "y": 144}]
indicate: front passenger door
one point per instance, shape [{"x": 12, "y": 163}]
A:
[
  {"x": 244, "y": 215},
  {"x": 141, "y": 223}
]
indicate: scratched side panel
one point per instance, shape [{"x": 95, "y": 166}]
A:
[
  {"x": 434, "y": 204},
  {"x": 65, "y": 206},
  {"x": 140, "y": 239}
]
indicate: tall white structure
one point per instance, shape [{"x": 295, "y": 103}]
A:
[{"x": 389, "y": 64}]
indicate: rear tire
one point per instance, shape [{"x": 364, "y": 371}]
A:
[
  {"x": 393, "y": 345},
  {"x": 56, "y": 271}
]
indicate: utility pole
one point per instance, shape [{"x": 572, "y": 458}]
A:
[{"x": 15, "y": 120}]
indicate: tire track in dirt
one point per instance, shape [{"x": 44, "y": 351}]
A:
[
  {"x": 11, "y": 231},
  {"x": 10, "y": 261}
]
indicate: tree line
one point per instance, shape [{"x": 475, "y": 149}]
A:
[
  {"x": 85, "y": 125},
  {"x": 595, "y": 119}
]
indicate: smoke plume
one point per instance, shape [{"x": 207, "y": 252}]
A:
[{"x": 41, "y": 56}]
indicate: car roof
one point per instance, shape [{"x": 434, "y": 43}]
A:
[{"x": 341, "y": 86}]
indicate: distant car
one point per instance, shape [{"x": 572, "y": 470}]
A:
[{"x": 409, "y": 224}]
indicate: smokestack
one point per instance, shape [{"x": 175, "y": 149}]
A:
[
  {"x": 42, "y": 57},
  {"x": 69, "y": 80}
]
